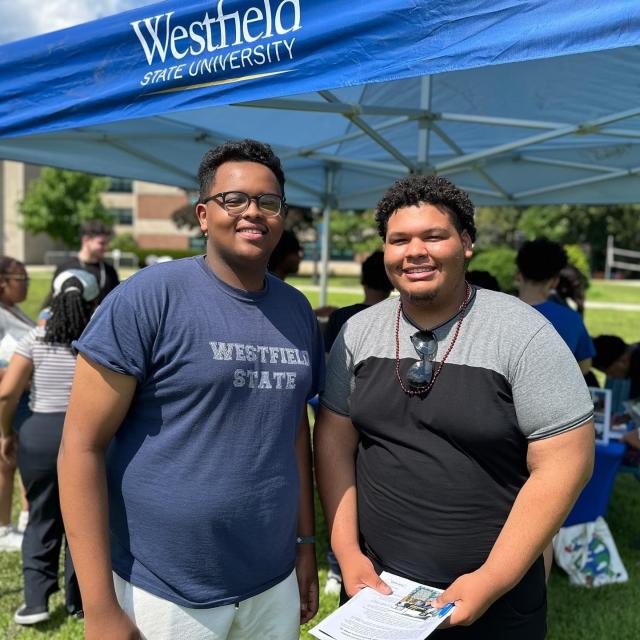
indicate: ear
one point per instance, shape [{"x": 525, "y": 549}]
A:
[
  {"x": 467, "y": 244},
  {"x": 201, "y": 213}
]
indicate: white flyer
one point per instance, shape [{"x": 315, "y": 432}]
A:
[{"x": 406, "y": 614}]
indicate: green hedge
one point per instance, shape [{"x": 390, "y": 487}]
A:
[{"x": 500, "y": 263}]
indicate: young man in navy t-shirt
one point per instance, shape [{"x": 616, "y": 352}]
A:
[{"x": 185, "y": 465}]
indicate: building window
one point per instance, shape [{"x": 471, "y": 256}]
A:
[
  {"x": 120, "y": 185},
  {"x": 197, "y": 243},
  {"x": 122, "y": 215}
]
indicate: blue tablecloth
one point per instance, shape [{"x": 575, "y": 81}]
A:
[{"x": 594, "y": 499}]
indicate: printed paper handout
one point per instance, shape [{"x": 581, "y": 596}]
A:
[{"x": 406, "y": 614}]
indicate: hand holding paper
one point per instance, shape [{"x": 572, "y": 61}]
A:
[{"x": 358, "y": 573}]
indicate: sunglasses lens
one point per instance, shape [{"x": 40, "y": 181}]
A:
[
  {"x": 420, "y": 373},
  {"x": 425, "y": 343}
]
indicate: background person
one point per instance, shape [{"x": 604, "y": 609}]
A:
[
  {"x": 539, "y": 263},
  {"x": 376, "y": 285},
  {"x": 14, "y": 324},
  {"x": 619, "y": 360},
  {"x": 286, "y": 257},
  {"x": 189, "y": 404},
  {"x": 44, "y": 357},
  {"x": 570, "y": 289},
  {"x": 94, "y": 242},
  {"x": 450, "y": 419}
]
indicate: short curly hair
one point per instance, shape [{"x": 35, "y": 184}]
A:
[
  {"x": 434, "y": 190},
  {"x": 242, "y": 151},
  {"x": 541, "y": 259}
]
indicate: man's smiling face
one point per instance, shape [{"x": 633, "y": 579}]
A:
[
  {"x": 252, "y": 236},
  {"x": 424, "y": 253}
]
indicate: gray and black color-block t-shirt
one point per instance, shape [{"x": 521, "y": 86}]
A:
[{"x": 437, "y": 474}]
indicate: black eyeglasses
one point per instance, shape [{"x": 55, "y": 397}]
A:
[
  {"x": 12, "y": 277},
  {"x": 421, "y": 372},
  {"x": 235, "y": 203}
]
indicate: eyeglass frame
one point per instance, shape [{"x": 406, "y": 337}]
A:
[
  {"x": 283, "y": 203},
  {"x": 10, "y": 276},
  {"x": 426, "y": 358}
]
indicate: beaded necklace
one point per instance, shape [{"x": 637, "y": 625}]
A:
[{"x": 418, "y": 391}]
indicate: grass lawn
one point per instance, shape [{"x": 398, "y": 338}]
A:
[{"x": 574, "y": 613}]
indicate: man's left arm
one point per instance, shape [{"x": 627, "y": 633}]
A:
[
  {"x": 559, "y": 467},
  {"x": 306, "y": 570}
]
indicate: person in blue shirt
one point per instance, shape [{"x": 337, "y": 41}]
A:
[
  {"x": 539, "y": 264},
  {"x": 185, "y": 470}
]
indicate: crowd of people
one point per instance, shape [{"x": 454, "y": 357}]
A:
[{"x": 448, "y": 417}]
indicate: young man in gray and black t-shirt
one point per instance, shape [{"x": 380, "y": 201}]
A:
[{"x": 455, "y": 431}]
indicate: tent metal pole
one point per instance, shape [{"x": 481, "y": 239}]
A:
[
  {"x": 326, "y": 235},
  {"x": 580, "y": 128},
  {"x": 501, "y": 122},
  {"x": 623, "y": 173},
  {"x": 424, "y": 132},
  {"x": 371, "y": 132},
  {"x": 458, "y": 151},
  {"x": 343, "y": 108},
  {"x": 304, "y": 151},
  {"x": 552, "y": 162}
]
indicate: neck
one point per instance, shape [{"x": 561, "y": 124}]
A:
[
  {"x": 534, "y": 292},
  {"x": 432, "y": 313},
  {"x": 248, "y": 279},
  {"x": 85, "y": 256}
]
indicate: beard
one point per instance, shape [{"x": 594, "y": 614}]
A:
[{"x": 417, "y": 298}]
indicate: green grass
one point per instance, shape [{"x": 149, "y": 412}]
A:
[
  {"x": 574, "y": 613},
  {"x": 616, "y": 291}
]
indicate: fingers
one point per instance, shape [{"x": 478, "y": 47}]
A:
[
  {"x": 309, "y": 602},
  {"x": 364, "y": 575}
]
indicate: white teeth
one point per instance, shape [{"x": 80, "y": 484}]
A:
[{"x": 419, "y": 270}]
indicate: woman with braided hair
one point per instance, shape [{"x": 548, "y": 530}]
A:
[{"x": 44, "y": 357}]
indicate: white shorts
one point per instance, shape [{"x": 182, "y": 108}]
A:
[{"x": 271, "y": 615}]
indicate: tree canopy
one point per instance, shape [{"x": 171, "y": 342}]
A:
[{"x": 59, "y": 201}]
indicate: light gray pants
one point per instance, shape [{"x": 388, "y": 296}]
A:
[{"x": 271, "y": 615}]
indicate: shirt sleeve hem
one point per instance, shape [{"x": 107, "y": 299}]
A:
[
  {"x": 333, "y": 408},
  {"x": 554, "y": 431},
  {"x": 103, "y": 362}
]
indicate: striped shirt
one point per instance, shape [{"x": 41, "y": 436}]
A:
[{"x": 53, "y": 367}]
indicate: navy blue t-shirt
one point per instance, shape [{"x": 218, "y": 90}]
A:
[
  {"x": 570, "y": 326},
  {"x": 202, "y": 475}
]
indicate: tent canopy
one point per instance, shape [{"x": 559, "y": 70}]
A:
[{"x": 520, "y": 102}]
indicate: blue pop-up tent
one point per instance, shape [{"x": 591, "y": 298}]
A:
[
  {"x": 522, "y": 101},
  {"x": 519, "y": 101}
]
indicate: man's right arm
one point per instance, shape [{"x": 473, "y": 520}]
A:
[
  {"x": 100, "y": 399},
  {"x": 335, "y": 445}
]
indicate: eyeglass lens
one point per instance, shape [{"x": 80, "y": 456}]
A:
[
  {"x": 421, "y": 372},
  {"x": 236, "y": 202}
]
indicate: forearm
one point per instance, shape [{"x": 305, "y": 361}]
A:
[
  {"x": 83, "y": 499},
  {"x": 306, "y": 513},
  {"x": 335, "y": 471},
  {"x": 7, "y": 413},
  {"x": 538, "y": 512}
]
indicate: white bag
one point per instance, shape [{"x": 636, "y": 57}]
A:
[{"x": 589, "y": 555}]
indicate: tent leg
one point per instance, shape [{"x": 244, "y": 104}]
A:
[{"x": 326, "y": 235}]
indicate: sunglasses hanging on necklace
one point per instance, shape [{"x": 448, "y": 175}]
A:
[{"x": 421, "y": 376}]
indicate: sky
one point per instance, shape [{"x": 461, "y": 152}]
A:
[{"x": 25, "y": 18}]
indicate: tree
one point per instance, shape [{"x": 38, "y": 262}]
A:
[
  {"x": 354, "y": 231},
  {"x": 59, "y": 201}
]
